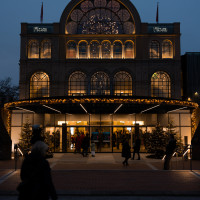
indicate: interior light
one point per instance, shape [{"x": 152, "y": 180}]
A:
[
  {"x": 60, "y": 123},
  {"x": 138, "y": 122}
]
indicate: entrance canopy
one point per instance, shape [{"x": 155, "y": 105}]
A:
[{"x": 97, "y": 105}]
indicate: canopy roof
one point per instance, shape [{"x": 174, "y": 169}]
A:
[{"x": 105, "y": 105}]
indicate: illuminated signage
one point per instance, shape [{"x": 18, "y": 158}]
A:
[
  {"x": 37, "y": 29},
  {"x": 161, "y": 28},
  {"x": 40, "y": 28},
  {"x": 158, "y": 29}
]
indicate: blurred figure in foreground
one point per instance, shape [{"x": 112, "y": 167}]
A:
[{"x": 36, "y": 175}]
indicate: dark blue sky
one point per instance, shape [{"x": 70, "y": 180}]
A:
[{"x": 12, "y": 13}]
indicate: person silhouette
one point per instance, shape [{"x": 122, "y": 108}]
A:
[
  {"x": 169, "y": 151},
  {"x": 137, "y": 148},
  {"x": 36, "y": 175},
  {"x": 126, "y": 152}
]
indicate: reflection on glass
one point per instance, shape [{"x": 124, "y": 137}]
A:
[
  {"x": 167, "y": 49},
  {"x": 39, "y": 85},
  {"x": 100, "y": 84},
  {"x": 122, "y": 84},
  {"x": 33, "y": 49},
  {"x": 46, "y": 49},
  {"x": 94, "y": 49},
  {"x": 129, "y": 50},
  {"x": 106, "y": 47},
  {"x": 117, "y": 50},
  {"x": 77, "y": 84},
  {"x": 71, "y": 50},
  {"x": 160, "y": 85},
  {"x": 154, "y": 50},
  {"x": 83, "y": 50}
]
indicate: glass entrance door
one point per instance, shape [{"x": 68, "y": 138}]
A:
[
  {"x": 120, "y": 134},
  {"x": 75, "y": 137},
  {"x": 101, "y": 137}
]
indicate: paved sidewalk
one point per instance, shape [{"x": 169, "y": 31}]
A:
[{"x": 105, "y": 175}]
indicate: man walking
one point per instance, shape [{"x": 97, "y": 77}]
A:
[
  {"x": 169, "y": 151},
  {"x": 136, "y": 148}
]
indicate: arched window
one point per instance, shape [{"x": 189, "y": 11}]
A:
[
  {"x": 154, "y": 49},
  {"x": 45, "y": 49},
  {"x": 122, "y": 84},
  {"x": 160, "y": 85},
  {"x": 39, "y": 85},
  {"x": 100, "y": 17},
  {"x": 83, "y": 50},
  {"x": 71, "y": 50},
  {"x": 167, "y": 49},
  {"x": 117, "y": 50},
  {"x": 33, "y": 49},
  {"x": 100, "y": 84},
  {"x": 94, "y": 49},
  {"x": 77, "y": 84},
  {"x": 106, "y": 49},
  {"x": 129, "y": 50}
]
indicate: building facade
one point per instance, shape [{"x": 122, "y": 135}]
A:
[{"x": 100, "y": 71}]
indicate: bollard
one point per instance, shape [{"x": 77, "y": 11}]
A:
[{"x": 15, "y": 155}]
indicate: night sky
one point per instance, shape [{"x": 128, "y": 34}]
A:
[{"x": 12, "y": 13}]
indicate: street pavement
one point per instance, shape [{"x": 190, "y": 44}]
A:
[
  {"x": 113, "y": 198},
  {"x": 104, "y": 177}
]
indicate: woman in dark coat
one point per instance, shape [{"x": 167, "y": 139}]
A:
[
  {"x": 36, "y": 175},
  {"x": 137, "y": 148},
  {"x": 126, "y": 152}
]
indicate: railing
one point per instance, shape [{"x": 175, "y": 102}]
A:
[
  {"x": 184, "y": 161},
  {"x": 18, "y": 151}
]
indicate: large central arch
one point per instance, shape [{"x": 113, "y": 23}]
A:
[{"x": 100, "y": 17}]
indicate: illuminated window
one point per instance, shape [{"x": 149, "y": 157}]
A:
[
  {"x": 71, "y": 50},
  {"x": 45, "y": 49},
  {"x": 154, "y": 49},
  {"x": 117, "y": 50},
  {"x": 129, "y": 50},
  {"x": 106, "y": 49},
  {"x": 77, "y": 84},
  {"x": 83, "y": 52},
  {"x": 100, "y": 17},
  {"x": 100, "y": 84},
  {"x": 167, "y": 49},
  {"x": 94, "y": 49},
  {"x": 160, "y": 85},
  {"x": 33, "y": 49},
  {"x": 122, "y": 84},
  {"x": 39, "y": 85}
]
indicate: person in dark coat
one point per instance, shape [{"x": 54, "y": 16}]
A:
[
  {"x": 137, "y": 148},
  {"x": 85, "y": 145},
  {"x": 36, "y": 175},
  {"x": 169, "y": 151},
  {"x": 126, "y": 152}
]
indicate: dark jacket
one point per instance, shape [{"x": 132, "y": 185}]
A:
[
  {"x": 36, "y": 179},
  {"x": 85, "y": 143},
  {"x": 137, "y": 144},
  {"x": 126, "y": 152},
  {"x": 171, "y": 146}
]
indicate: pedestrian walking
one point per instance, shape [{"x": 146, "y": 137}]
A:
[
  {"x": 93, "y": 149},
  {"x": 136, "y": 147},
  {"x": 169, "y": 151},
  {"x": 85, "y": 145},
  {"x": 36, "y": 181},
  {"x": 126, "y": 152}
]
